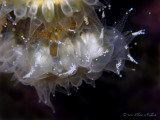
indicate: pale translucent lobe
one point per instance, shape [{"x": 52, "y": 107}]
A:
[
  {"x": 92, "y": 2},
  {"x": 48, "y": 10}
]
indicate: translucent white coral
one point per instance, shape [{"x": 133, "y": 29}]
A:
[
  {"x": 63, "y": 12},
  {"x": 63, "y": 57},
  {"x": 80, "y": 58}
]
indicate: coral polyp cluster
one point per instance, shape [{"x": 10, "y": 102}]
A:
[
  {"x": 62, "y": 12},
  {"x": 52, "y": 43}
]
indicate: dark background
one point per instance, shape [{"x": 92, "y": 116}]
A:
[{"x": 113, "y": 97}]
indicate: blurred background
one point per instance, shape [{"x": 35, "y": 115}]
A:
[{"x": 133, "y": 96}]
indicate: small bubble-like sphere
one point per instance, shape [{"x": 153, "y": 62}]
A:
[{"x": 62, "y": 56}]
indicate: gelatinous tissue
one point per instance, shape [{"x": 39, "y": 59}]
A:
[{"x": 57, "y": 44}]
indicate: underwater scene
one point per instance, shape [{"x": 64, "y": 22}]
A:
[{"x": 79, "y": 59}]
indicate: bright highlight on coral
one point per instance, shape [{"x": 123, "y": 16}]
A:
[{"x": 56, "y": 44}]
